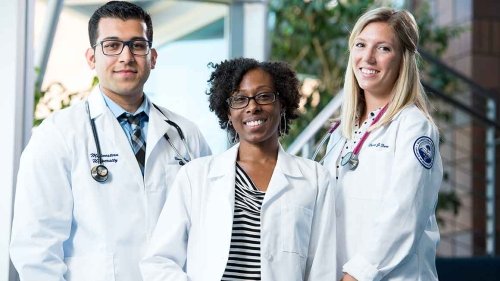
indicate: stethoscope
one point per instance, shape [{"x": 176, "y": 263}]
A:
[
  {"x": 100, "y": 172},
  {"x": 327, "y": 135},
  {"x": 351, "y": 157}
]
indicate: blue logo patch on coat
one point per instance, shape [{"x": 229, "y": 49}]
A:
[{"x": 424, "y": 151}]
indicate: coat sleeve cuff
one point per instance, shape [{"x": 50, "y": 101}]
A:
[{"x": 359, "y": 268}]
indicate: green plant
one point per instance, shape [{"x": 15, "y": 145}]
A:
[
  {"x": 56, "y": 97},
  {"x": 312, "y": 37}
]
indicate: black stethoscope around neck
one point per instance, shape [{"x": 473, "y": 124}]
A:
[{"x": 100, "y": 172}]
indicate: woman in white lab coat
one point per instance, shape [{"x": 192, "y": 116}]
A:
[
  {"x": 384, "y": 157},
  {"x": 253, "y": 212}
]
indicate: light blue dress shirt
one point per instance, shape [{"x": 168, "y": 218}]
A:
[{"x": 118, "y": 110}]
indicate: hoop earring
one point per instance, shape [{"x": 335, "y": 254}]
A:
[
  {"x": 231, "y": 139},
  {"x": 282, "y": 128}
]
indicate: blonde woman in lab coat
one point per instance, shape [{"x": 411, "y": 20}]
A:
[
  {"x": 384, "y": 157},
  {"x": 253, "y": 212}
]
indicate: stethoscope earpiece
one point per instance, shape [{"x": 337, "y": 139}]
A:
[
  {"x": 181, "y": 161},
  {"x": 99, "y": 173}
]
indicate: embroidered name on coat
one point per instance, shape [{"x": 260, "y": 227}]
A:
[
  {"x": 106, "y": 158},
  {"x": 381, "y": 145}
]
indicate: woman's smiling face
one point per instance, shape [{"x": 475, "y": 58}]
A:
[
  {"x": 256, "y": 123},
  {"x": 376, "y": 58}
]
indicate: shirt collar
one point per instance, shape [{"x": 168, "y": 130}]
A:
[
  {"x": 371, "y": 115},
  {"x": 118, "y": 110}
]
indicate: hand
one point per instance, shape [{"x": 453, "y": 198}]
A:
[{"x": 348, "y": 277}]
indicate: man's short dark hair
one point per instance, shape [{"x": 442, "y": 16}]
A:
[{"x": 118, "y": 9}]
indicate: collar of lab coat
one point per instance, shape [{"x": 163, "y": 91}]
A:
[
  {"x": 336, "y": 144},
  {"x": 223, "y": 166},
  {"x": 157, "y": 125},
  {"x": 156, "y": 129},
  {"x": 285, "y": 163},
  {"x": 97, "y": 105}
]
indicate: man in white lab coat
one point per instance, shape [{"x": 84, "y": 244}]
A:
[{"x": 93, "y": 178}]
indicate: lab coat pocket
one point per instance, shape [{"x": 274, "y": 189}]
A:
[
  {"x": 162, "y": 175},
  {"x": 371, "y": 179},
  {"x": 295, "y": 229},
  {"x": 171, "y": 171},
  {"x": 92, "y": 267}
]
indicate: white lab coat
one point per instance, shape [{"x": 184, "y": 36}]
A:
[
  {"x": 386, "y": 227},
  {"x": 66, "y": 225},
  {"x": 192, "y": 238}
]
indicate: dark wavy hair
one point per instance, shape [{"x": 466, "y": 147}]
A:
[
  {"x": 227, "y": 76},
  {"x": 122, "y": 10}
]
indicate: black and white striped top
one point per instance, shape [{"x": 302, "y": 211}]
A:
[{"x": 244, "y": 253}]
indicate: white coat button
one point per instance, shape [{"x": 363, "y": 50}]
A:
[{"x": 269, "y": 257}]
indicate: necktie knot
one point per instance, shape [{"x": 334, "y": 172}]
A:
[
  {"x": 137, "y": 139},
  {"x": 133, "y": 120}
]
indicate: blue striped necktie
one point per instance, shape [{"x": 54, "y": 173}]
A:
[{"x": 138, "y": 141}]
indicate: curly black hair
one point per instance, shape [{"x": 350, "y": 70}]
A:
[{"x": 226, "y": 79}]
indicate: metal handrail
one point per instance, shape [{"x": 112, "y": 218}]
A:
[
  {"x": 484, "y": 119},
  {"x": 478, "y": 88},
  {"x": 316, "y": 124}
]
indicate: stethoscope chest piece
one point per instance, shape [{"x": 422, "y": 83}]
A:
[
  {"x": 351, "y": 159},
  {"x": 99, "y": 173}
]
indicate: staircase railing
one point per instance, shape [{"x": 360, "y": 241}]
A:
[{"x": 303, "y": 141}]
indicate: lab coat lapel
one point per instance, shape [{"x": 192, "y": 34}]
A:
[
  {"x": 220, "y": 206},
  {"x": 157, "y": 128},
  {"x": 97, "y": 105},
  {"x": 336, "y": 143},
  {"x": 285, "y": 167},
  {"x": 113, "y": 140}
]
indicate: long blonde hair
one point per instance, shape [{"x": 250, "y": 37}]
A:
[{"x": 407, "y": 89}]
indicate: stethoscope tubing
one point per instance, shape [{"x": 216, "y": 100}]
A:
[
  {"x": 182, "y": 160},
  {"x": 183, "y": 139},
  {"x": 323, "y": 140},
  {"x": 358, "y": 147},
  {"x": 100, "y": 172}
]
